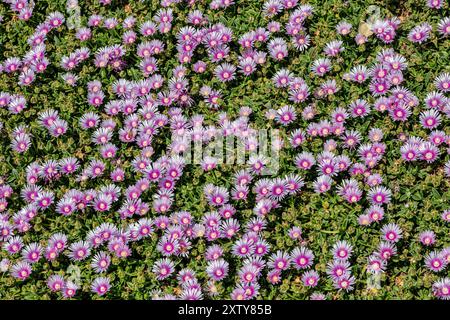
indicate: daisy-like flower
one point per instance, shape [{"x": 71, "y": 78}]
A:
[
  {"x": 345, "y": 282},
  {"x": 304, "y": 160},
  {"x": 301, "y": 42},
  {"x": 163, "y": 268},
  {"x": 100, "y": 285},
  {"x": 318, "y": 296},
  {"x": 83, "y": 34},
  {"x": 247, "y": 66},
  {"x": 248, "y": 273},
  {"x": 435, "y": 4},
  {"x": 274, "y": 276},
  {"x": 58, "y": 241},
  {"x": 282, "y": 78},
  {"x": 446, "y": 215},
  {"x": 302, "y": 257},
  {"x": 359, "y": 108},
  {"x": 297, "y": 138},
  {"x": 286, "y": 115},
  {"x": 442, "y": 82},
  {"x": 409, "y": 152},
  {"x": 299, "y": 94},
  {"x": 375, "y": 213},
  {"x": 21, "y": 142},
  {"x": 69, "y": 289},
  {"x": 213, "y": 252},
  {"x": 321, "y": 66},
  {"x": 100, "y": 262},
  {"x": 13, "y": 245},
  {"x": 187, "y": 278},
  {"x": 79, "y": 250},
  {"x": 272, "y": 7},
  {"x": 441, "y": 289},
  {"x": 295, "y": 233},
  {"x": 279, "y": 261},
  {"x": 44, "y": 199},
  {"x": 358, "y": 74},
  {"x": 391, "y": 232},
  {"x": 333, "y": 48},
  {"x": 21, "y": 270},
  {"x": 342, "y": 250},
  {"x": 191, "y": 294},
  {"x": 420, "y": 33},
  {"x": 435, "y": 99},
  {"x": 327, "y": 88},
  {"x": 338, "y": 268},
  {"x": 55, "y": 282},
  {"x": 217, "y": 196},
  {"x": 322, "y": 184},
  {"x": 430, "y": 119},
  {"x": 55, "y": 19},
  {"x": 343, "y": 28},
  {"x": 278, "y": 49},
  {"x": 168, "y": 246},
  {"x": 310, "y": 278},
  {"x": 379, "y": 195},
  {"x": 435, "y": 261},
  {"x": 225, "y": 72},
  {"x": 375, "y": 264},
  {"x": 443, "y": 26},
  {"x": 427, "y": 238},
  {"x": 386, "y": 250},
  {"x": 428, "y": 152},
  {"x": 242, "y": 248}
]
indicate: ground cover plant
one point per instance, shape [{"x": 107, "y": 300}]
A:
[{"x": 102, "y": 101}]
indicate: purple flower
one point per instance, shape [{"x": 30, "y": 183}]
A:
[
  {"x": 441, "y": 289},
  {"x": 279, "y": 261},
  {"x": 318, "y": 296},
  {"x": 217, "y": 269},
  {"x": 225, "y": 72},
  {"x": 310, "y": 278},
  {"x": 100, "y": 285},
  {"x": 21, "y": 270},
  {"x": 302, "y": 257},
  {"x": 286, "y": 115},
  {"x": 379, "y": 195},
  {"x": 443, "y": 26},
  {"x": 435, "y": 261},
  {"x": 55, "y": 283},
  {"x": 69, "y": 290},
  {"x": 13, "y": 245},
  {"x": 321, "y": 66},
  {"x": 274, "y": 276},
  {"x": 79, "y": 250},
  {"x": 100, "y": 262},
  {"x": 163, "y": 268},
  {"x": 376, "y": 264},
  {"x": 427, "y": 238},
  {"x": 435, "y": 4},
  {"x": 442, "y": 82},
  {"x": 242, "y": 248},
  {"x": 58, "y": 241},
  {"x": 420, "y": 33},
  {"x": 345, "y": 282},
  {"x": 391, "y": 232},
  {"x": 248, "y": 273},
  {"x": 343, "y": 28},
  {"x": 342, "y": 250}
]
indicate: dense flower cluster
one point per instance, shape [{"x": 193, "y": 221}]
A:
[{"x": 154, "y": 112}]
